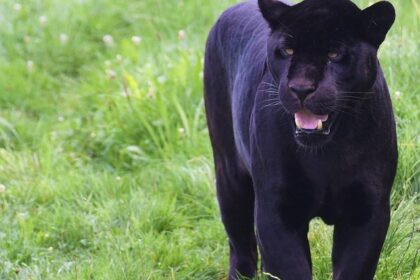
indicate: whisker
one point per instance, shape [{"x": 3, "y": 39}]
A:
[
  {"x": 369, "y": 92},
  {"x": 272, "y": 105},
  {"x": 343, "y": 110},
  {"x": 271, "y": 87},
  {"x": 355, "y": 97},
  {"x": 270, "y": 100},
  {"x": 349, "y": 98},
  {"x": 267, "y": 83}
]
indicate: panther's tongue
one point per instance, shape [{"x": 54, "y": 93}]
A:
[{"x": 307, "y": 120}]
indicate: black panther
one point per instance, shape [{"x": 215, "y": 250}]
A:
[{"x": 301, "y": 126}]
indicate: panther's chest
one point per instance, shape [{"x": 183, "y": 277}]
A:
[
  {"x": 334, "y": 180},
  {"x": 336, "y": 168}
]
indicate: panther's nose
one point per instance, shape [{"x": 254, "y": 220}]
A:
[{"x": 302, "y": 89}]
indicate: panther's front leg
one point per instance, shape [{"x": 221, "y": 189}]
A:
[
  {"x": 282, "y": 232},
  {"x": 360, "y": 234}
]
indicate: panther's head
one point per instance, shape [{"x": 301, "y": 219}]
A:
[{"x": 323, "y": 56}]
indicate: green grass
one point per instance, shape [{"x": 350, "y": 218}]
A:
[{"x": 105, "y": 163}]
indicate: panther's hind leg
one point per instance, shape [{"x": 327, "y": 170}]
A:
[
  {"x": 234, "y": 186},
  {"x": 235, "y": 194},
  {"x": 236, "y": 201}
]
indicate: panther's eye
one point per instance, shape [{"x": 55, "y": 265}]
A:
[
  {"x": 284, "y": 52},
  {"x": 289, "y": 51},
  {"x": 335, "y": 56},
  {"x": 332, "y": 55}
]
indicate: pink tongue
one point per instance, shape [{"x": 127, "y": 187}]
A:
[{"x": 308, "y": 120}]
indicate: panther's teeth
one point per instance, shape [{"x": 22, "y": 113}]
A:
[
  {"x": 298, "y": 125},
  {"x": 319, "y": 126}
]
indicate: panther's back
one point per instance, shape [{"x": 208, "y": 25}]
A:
[{"x": 237, "y": 39}]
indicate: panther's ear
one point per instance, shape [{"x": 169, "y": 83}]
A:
[
  {"x": 272, "y": 10},
  {"x": 376, "y": 21}
]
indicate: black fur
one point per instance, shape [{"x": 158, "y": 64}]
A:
[{"x": 260, "y": 69}]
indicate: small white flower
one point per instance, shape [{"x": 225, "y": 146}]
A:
[
  {"x": 30, "y": 65},
  {"x": 161, "y": 79},
  {"x": 125, "y": 93},
  {"x": 398, "y": 95},
  {"x": 151, "y": 94},
  {"x": 136, "y": 40},
  {"x": 108, "y": 40},
  {"x": 111, "y": 74},
  {"x": 17, "y": 7},
  {"x": 2, "y": 188},
  {"x": 64, "y": 38},
  {"x": 181, "y": 130},
  {"x": 182, "y": 35},
  {"x": 43, "y": 20},
  {"x": 119, "y": 58},
  {"x": 22, "y": 215}
]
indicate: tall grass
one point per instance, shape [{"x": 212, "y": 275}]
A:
[{"x": 105, "y": 163}]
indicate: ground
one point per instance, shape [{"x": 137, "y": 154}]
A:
[{"x": 105, "y": 163}]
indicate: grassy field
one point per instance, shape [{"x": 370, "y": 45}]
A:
[{"x": 105, "y": 163}]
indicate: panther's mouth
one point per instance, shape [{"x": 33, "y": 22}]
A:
[{"x": 308, "y": 123}]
